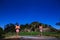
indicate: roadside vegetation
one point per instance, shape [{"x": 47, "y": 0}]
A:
[
  {"x": 52, "y": 34},
  {"x": 29, "y": 30}
]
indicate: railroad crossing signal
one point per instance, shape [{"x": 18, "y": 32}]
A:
[
  {"x": 17, "y": 29},
  {"x": 41, "y": 29}
]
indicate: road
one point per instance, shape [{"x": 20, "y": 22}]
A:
[
  {"x": 38, "y": 38},
  {"x": 32, "y": 38}
]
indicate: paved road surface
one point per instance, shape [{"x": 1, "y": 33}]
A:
[
  {"x": 32, "y": 38},
  {"x": 38, "y": 38}
]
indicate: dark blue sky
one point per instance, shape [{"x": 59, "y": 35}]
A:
[{"x": 27, "y": 11}]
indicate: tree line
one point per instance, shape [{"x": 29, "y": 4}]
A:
[{"x": 32, "y": 27}]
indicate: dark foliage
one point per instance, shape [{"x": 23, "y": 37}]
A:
[
  {"x": 34, "y": 26},
  {"x": 1, "y": 33},
  {"x": 9, "y": 28},
  {"x": 58, "y": 23}
]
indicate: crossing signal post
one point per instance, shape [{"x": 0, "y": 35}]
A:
[
  {"x": 41, "y": 29},
  {"x": 17, "y": 30}
]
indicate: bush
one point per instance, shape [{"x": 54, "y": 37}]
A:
[{"x": 1, "y": 33}]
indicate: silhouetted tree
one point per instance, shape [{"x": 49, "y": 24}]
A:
[
  {"x": 34, "y": 26},
  {"x": 52, "y": 29},
  {"x": 22, "y": 27},
  {"x": 17, "y": 23},
  {"x": 9, "y": 28},
  {"x": 1, "y": 33},
  {"x": 58, "y": 23}
]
